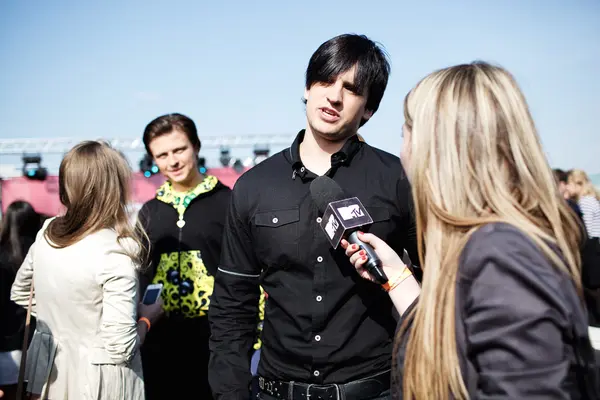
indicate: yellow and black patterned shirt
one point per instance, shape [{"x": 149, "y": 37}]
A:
[
  {"x": 187, "y": 283},
  {"x": 185, "y": 230}
]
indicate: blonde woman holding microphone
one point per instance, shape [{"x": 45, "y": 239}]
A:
[{"x": 499, "y": 313}]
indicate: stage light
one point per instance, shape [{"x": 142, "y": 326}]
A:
[
  {"x": 32, "y": 167},
  {"x": 225, "y": 158},
  {"x": 32, "y": 159},
  {"x": 147, "y": 166},
  {"x": 238, "y": 166},
  {"x": 261, "y": 153},
  {"x": 202, "y": 165}
]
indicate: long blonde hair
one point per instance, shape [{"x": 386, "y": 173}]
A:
[
  {"x": 580, "y": 178},
  {"x": 475, "y": 159},
  {"x": 94, "y": 186}
]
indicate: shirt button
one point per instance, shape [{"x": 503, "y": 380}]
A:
[
  {"x": 318, "y": 338},
  {"x": 319, "y": 259},
  {"x": 275, "y": 220},
  {"x": 316, "y": 373},
  {"x": 319, "y": 298},
  {"x": 319, "y": 220}
]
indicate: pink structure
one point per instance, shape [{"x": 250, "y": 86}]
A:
[{"x": 43, "y": 195}]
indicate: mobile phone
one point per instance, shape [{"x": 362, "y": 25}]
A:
[{"x": 152, "y": 293}]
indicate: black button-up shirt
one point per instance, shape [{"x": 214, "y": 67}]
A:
[{"x": 323, "y": 322}]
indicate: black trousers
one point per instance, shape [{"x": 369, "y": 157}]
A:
[{"x": 175, "y": 359}]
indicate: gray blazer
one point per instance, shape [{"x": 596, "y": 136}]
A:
[{"x": 521, "y": 329}]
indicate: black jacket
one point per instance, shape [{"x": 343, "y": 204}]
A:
[
  {"x": 185, "y": 258},
  {"x": 590, "y": 269},
  {"x": 12, "y": 316}
]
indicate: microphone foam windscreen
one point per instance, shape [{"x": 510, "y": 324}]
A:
[{"x": 325, "y": 190}]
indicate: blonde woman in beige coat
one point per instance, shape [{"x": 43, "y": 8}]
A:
[{"x": 84, "y": 267}]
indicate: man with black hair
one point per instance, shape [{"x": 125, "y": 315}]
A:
[{"x": 327, "y": 332}]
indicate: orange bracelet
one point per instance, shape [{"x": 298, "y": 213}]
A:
[
  {"x": 406, "y": 273},
  {"x": 147, "y": 321}
]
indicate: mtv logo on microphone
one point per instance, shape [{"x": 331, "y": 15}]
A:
[
  {"x": 351, "y": 212},
  {"x": 331, "y": 227},
  {"x": 342, "y": 215}
]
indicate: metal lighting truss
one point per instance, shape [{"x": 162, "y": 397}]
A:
[{"x": 19, "y": 146}]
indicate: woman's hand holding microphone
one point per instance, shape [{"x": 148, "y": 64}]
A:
[{"x": 402, "y": 286}]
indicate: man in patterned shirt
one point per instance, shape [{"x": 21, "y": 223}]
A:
[{"x": 184, "y": 223}]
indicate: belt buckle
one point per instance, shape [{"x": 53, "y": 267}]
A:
[
  {"x": 324, "y": 388},
  {"x": 337, "y": 391}
]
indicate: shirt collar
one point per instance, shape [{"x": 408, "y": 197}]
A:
[{"x": 342, "y": 157}]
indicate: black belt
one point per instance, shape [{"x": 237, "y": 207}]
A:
[{"x": 361, "y": 389}]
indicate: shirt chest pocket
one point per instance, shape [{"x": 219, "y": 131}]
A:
[
  {"x": 277, "y": 237},
  {"x": 379, "y": 214},
  {"x": 382, "y": 226}
]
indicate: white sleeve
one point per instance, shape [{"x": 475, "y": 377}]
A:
[{"x": 118, "y": 326}]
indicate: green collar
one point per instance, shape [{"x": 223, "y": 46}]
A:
[{"x": 181, "y": 200}]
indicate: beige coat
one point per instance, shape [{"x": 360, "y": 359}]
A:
[{"x": 86, "y": 343}]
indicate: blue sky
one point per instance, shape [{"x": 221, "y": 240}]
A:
[{"x": 106, "y": 68}]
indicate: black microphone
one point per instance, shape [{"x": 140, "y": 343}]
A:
[{"x": 343, "y": 217}]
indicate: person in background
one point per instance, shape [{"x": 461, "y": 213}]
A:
[
  {"x": 587, "y": 196},
  {"x": 18, "y": 229},
  {"x": 84, "y": 268},
  {"x": 499, "y": 313},
  {"x": 590, "y": 261},
  {"x": 562, "y": 179},
  {"x": 185, "y": 225},
  {"x": 582, "y": 190}
]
